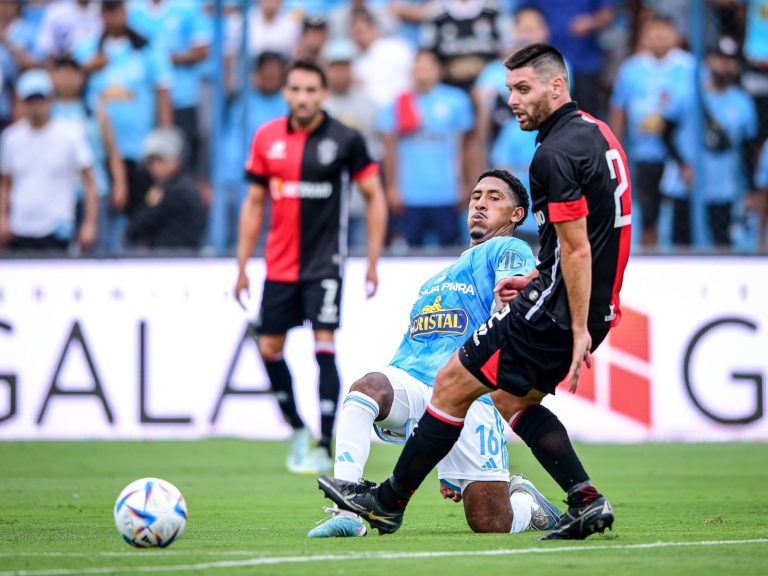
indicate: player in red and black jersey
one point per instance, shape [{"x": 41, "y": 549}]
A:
[
  {"x": 303, "y": 163},
  {"x": 555, "y": 317}
]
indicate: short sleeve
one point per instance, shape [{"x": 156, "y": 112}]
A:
[
  {"x": 620, "y": 94},
  {"x": 160, "y": 66},
  {"x": 513, "y": 258},
  {"x": 256, "y": 163},
  {"x": 83, "y": 154},
  {"x": 5, "y": 161},
  {"x": 465, "y": 118},
  {"x": 556, "y": 174},
  {"x": 761, "y": 174},
  {"x": 361, "y": 165},
  {"x": 202, "y": 32}
]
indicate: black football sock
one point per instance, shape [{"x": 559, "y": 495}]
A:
[
  {"x": 329, "y": 389},
  {"x": 547, "y": 438},
  {"x": 430, "y": 441},
  {"x": 282, "y": 387}
]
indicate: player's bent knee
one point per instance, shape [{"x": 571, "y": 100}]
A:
[
  {"x": 455, "y": 386},
  {"x": 487, "y": 507},
  {"x": 376, "y": 385}
]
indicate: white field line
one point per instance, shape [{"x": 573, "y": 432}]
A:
[{"x": 264, "y": 561}]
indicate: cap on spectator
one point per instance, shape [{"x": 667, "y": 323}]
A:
[
  {"x": 316, "y": 22},
  {"x": 164, "y": 143},
  {"x": 34, "y": 83},
  {"x": 112, "y": 3},
  {"x": 728, "y": 47},
  {"x": 339, "y": 50}
]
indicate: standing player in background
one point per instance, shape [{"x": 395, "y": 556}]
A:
[
  {"x": 451, "y": 303},
  {"x": 564, "y": 310},
  {"x": 304, "y": 162}
]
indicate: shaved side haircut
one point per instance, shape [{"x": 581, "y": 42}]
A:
[{"x": 546, "y": 61}]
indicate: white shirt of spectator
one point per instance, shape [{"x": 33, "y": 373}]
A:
[
  {"x": 383, "y": 71},
  {"x": 279, "y": 35},
  {"x": 45, "y": 166},
  {"x": 66, "y": 24}
]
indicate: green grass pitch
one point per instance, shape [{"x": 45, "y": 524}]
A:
[{"x": 695, "y": 509}]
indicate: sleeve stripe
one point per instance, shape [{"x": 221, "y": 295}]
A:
[
  {"x": 566, "y": 211},
  {"x": 371, "y": 170},
  {"x": 256, "y": 178}
]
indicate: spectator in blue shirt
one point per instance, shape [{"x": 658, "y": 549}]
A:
[
  {"x": 181, "y": 29},
  {"x": 425, "y": 136},
  {"x": 641, "y": 93},
  {"x": 131, "y": 78},
  {"x": 758, "y": 200}
]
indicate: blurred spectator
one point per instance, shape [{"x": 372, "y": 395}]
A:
[
  {"x": 758, "y": 200},
  {"x": 755, "y": 76},
  {"x": 8, "y": 68},
  {"x": 465, "y": 35},
  {"x": 41, "y": 162},
  {"x": 729, "y": 122},
  {"x": 261, "y": 102},
  {"x": 730, "y": 127},
  {"x": 425, "y": 136},
  {"x": 642, "y": 90},
  {"x": 382, "y": 67},
  {"x": 350, "y": 106},
  {"x": 19, "y": 25},
  {"x": 340, "y": 18},
  {"x": 66, "y": 24},
  {"x": 172, "y": 214},
  {"x": 272, "y": 28},
  {"x": 95, "y": 129},
  {"x": 314, "y": 35},
  {"x": 132, "y": 79},
  {"x": 574, "y": 27},
  {"x": 183, "y": 31}
]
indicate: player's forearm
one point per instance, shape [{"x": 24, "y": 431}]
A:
[
  {"x": 376, "y": 225},
  {"x": 164, "y": 108},
  {"x": 91, "y": 205},
  {"x": 251, "y": 216},
  {"x": 576, "y": 265}
]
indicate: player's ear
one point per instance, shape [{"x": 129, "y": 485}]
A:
[
  {"x": 517, "y": 215},
  {"x": 557, "y": 87}
]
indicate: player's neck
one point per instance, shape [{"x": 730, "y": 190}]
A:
[{"x": 309, "y": 126}]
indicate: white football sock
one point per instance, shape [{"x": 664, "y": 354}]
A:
[
  {"x": 353, "y": 436},
  {"x": 522, "y": 511}
]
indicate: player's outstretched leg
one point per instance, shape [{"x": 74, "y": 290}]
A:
[
  {"x": 341, "y": 524},
  {"x": 361, "y": 498},
  {"x": 545, "y": 514}
]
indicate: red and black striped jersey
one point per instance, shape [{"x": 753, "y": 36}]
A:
[
  {"x": 307, "y": 176},
  {"x": 579, "y": 170}
]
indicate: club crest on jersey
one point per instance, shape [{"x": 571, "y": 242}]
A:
[
  {"x": 435, "y": 319},
  {"x": 327, "y": 151}
]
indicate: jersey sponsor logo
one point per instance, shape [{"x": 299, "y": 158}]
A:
[
  {"x": 435, "y": 319},
  {"x": 278, "y": 150},
  {"x": 462, "y": 287},
  {"x": 279, "y": 189},
  {"x": 511, "y": 260},
  {"x": 327, "y": 151}
]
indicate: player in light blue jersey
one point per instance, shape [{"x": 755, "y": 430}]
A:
[{"x": 449, "y": 306}]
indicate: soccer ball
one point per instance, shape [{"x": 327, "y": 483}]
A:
[{"x": 150, "y": 512}]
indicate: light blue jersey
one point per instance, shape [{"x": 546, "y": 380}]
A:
[
  {"x": 761, "y": 173},
  {"x": 455, "y": 302},
  {"x": 427, "y": 169},
  {"x": 756, "y": 40},
  {"x": 175, "y": 27}
]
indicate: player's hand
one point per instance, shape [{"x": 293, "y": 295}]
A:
[
  {"x": 86, "y": 236},
  {"x": 395, "y": 201},
  {"x": 242, "y": 285},
  {"x": 687, "y": 173},
  {"x": 582, "y": 354},
  {"x": 511, "y": 286},
  {"x": 582, "y": 25},
  {"x": 119, "y": 197},
  {"x": 371, "y": 281},
  {"x": 450, "y": 493}
]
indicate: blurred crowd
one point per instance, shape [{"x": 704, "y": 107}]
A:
[{"x": 106, "y": 111}]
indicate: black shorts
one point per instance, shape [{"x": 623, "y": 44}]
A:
[
  {"x": 285, "y": 305},
  {"x": 516, "y": 355},
  {"x": 646, "y": 182}
]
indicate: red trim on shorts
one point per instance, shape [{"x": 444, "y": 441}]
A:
[
  {"x": 513, "y": 423},
  {"x": 491, "y": 369},
  {"x": 567, "y": 211},
  {"x": 432, "y": 412}
]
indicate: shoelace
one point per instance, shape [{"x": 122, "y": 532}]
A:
[{"x": 362, "y": 487}]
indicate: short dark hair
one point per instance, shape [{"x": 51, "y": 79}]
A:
[
  {"x": 517, "y": 188},
  {"x": 543, "y": 58},
  {"x": 269, "y": 56},
  {"x": 308, "y": 66}
]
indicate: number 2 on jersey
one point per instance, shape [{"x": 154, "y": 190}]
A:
[{"x": 619, "y": 172}]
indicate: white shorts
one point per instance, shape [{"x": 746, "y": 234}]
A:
[{"x": 481, "y": 451}]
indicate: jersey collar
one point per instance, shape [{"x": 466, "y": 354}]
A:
[
  {"x": 319, "y": 126},
  {"x": 546, "y": 127}
]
